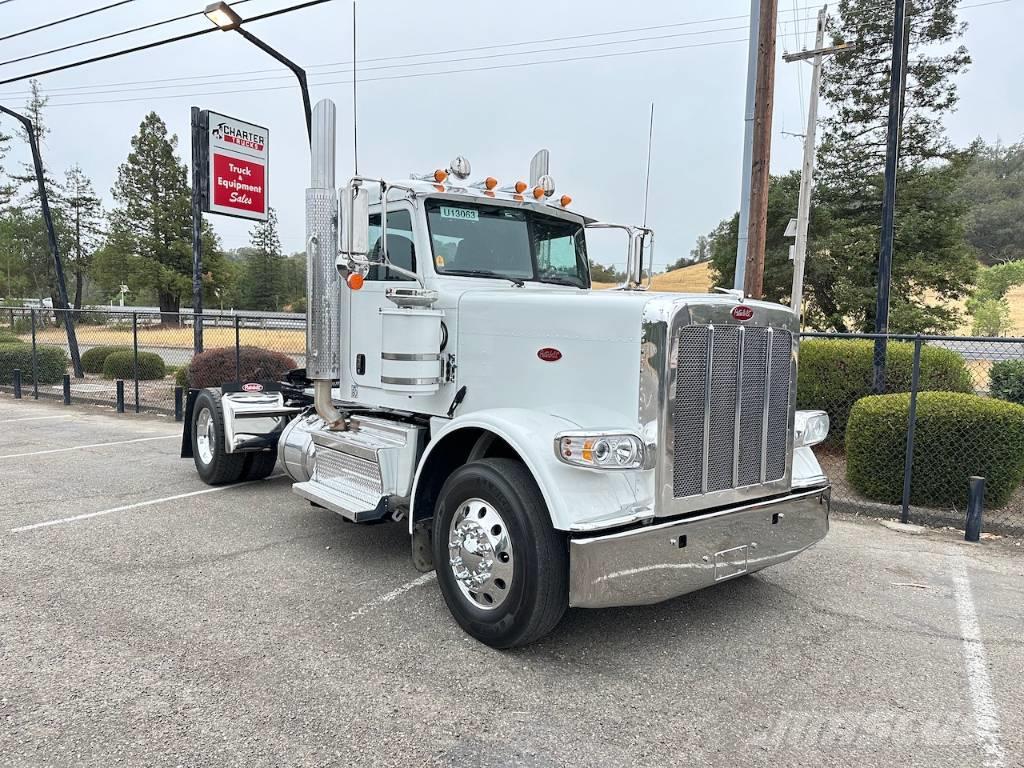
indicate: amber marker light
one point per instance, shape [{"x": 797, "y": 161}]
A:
[
  {"x": 565, "y": 201},
  {"x": 440, "y": 175},
  {"x": 354, "y": 281},
  {"x": 490, "y": 182},
  {"x": 538, "y": 192},
  {"x": 520, "y": 187}
]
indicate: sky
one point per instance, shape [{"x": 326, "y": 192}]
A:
[{"x": 589, "y": 104}]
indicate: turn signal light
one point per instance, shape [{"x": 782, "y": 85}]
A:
[
  {"x": 565, "y": 200},
  {"x": 354, "y": 281},
  {"x": 601, "y": 451},
  {"x": 440, "y": 175}
]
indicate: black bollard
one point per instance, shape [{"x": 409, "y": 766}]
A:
[
  {"x": 178, "y": 395},
  {"x": 975, "y": 505},
  {"x": 67, "y": 389},
  {"x": 120, "y": 395},
  {"x": 16, "y": 374}
]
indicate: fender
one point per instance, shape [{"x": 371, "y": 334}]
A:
[{"x": 577, "y": 498}]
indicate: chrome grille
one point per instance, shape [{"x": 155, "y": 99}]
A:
[{"x": 731, "y": 409}]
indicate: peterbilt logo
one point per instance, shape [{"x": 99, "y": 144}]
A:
[
  {"x": 252, "y": 386},
  {"x": 549, "y": 354},
  {"x": 742, "y": 313}
]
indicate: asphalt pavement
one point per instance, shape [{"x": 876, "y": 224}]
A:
[{"x": 147, "y": 619}]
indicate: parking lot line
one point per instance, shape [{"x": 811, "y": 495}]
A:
[
  {"x": 387, "y": 597},
  {"x": 986, "y": 714},
  {"x": 91, "y": 445},
  {"x": 36, "y": 418}
]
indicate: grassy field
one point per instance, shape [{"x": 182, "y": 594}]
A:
[{"x": 280, "y": 340}]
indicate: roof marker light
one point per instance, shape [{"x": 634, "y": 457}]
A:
[{"x": 565, "y": 201}]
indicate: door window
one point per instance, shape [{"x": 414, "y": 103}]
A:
[{"x": 401, "y": 251}]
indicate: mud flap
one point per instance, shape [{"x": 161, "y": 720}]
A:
[{"x": 186, "y": 432}]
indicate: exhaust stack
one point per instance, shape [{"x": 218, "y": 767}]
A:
[{"x": 323, "y": 284}]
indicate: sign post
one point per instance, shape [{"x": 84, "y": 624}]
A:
[{"x": 230, "y": 163}]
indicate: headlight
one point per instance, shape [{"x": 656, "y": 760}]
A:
[
  {"x": 809, "y": 428},
  {"x": 600, "y": 450}
]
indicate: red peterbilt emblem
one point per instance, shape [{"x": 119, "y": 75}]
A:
[
  {"x": 252, "y": 386},
  {"x": 742, "y": 313},
  {"x": 549, "y": 354}
]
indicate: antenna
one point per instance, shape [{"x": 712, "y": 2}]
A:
[
  {"x": 355, "y": 122},
  {"x": 647, "y": 183}
]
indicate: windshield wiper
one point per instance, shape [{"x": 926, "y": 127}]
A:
[
  {"x": 485, "y": 273},
  {"x": 560, "y": 281}
]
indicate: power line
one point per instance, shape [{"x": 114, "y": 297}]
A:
[
  {"x": 235, "y": 80},
  {"x": 157, "y": 43},
  {"x": 411, "y": 75},
  {"x": 372, "y": 59},
  {"x": 66, "y": 19},
  {"x": 111, "y": 36}
]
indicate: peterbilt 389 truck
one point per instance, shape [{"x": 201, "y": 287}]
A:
[{"x": 548, "y": 445}]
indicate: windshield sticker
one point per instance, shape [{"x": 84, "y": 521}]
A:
[
  {"x": 439, "y": 260},
  {"x": 464, "y": 214}
]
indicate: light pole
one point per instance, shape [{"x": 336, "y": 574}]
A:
[
  {"x": 51, "y": 235},
  {"x": 225, "y": 17}
]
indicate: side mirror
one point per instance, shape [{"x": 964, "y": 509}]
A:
[{"x": 355, "y": 223}]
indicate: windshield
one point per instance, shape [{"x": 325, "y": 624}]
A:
[{"x": 506, "y": 242}]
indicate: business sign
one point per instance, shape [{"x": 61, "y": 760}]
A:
[{"x": 237, "y": 155}]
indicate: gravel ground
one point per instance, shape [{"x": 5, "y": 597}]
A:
[{"x": 243, "y": 627}]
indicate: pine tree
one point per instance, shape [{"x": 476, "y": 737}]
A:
[
  {"x": 34, "y": 111},
  {"x": 150, "y": 238},
  {"x": 84, "y": 226},
  {"x": 263, "y": 278},
  {"x": 930, "y": 256}
]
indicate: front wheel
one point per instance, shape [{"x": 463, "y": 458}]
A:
[{"x": 503, "y": 570}]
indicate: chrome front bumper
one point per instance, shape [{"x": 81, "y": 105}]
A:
[{"x": 658, "y": 562}]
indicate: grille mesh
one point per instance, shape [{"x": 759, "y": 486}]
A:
[{"x": 716, "y": 369}]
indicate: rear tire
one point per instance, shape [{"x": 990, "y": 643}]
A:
[
  {"x": 213, "y": 463},
  {"x": 502, "y": 568},
  {"x": 259, "y": 465}
]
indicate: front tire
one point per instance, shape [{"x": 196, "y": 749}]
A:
[
  {"x": 213, "y": 463},
  {"x": 502, "y": 568}
]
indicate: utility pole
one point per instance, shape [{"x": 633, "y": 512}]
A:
[
  {"x": 748, "y": 145},
  {"x": 61, "y": 303},
  {"x": 897, "y": 84},
  {"x": 803, "y": 213},
  {"x": 753, "y": 279}
]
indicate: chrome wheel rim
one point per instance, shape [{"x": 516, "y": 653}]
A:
[
  {"x": 480, "y": 554},
  {"x": 204, "y": 436}
]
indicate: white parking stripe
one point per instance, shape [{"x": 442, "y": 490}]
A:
[
  {"x": 137, "y": 505},
  {"x": 91, "y": 445},
  {"x": 986, "y": 714},
  {"x": 387, "y": 597},
  {"x": 36, "y": 418}
]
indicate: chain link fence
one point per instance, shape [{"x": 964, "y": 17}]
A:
[{"x": 906, "y": 456}]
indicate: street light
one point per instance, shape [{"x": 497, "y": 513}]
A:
[{"x": 227, "y": 19}]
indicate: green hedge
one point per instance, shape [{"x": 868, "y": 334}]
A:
[
  {"x": 51, "y": 362},
  {"x": 1006, "y": 380},
  {"x": 957, "y": 435},
  {"x": 181, "y": 376},
  {"x": 836, "y": 373},
  {"x": 9, "y": 337},
  {"x": 93, "y": 359},
  {"x": 121, "y": 365}
]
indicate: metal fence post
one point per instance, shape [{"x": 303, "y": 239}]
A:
[
  {"x": 135, "y": 354},
  {"x": 67, "y": 389},
  {"x": 975, "y": 505},
  {"x": 908, "y": 459},
  {"x": 35, "y": 359},
  {"x": 119, "y": 385},
  {"x": 16, "y": 380},
  {"x": 178, "y": 393},
  {"x": 238, "y": 349}
]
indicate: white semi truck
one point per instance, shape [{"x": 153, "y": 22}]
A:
[{"x": 548, "y": 445}]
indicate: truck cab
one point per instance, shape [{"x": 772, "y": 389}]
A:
[{"x": 548, "y": 445}]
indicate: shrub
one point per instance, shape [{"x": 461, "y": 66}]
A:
[
  {"x": 957, "y": 435},
  {"x": 51, "y": 363},
  {"x": 93, "y": 359},
  {"x": 121, "y": 365},
  {"x": 1006, "y": 380},
  {"x": 181, "y": 376},
  {"x": 216, "y": 366},
  {"x": 836, "y": 373},
  {"x": 991, "y": 318},
  {"x": 9, "y": 337}
]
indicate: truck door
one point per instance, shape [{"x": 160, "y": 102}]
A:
[{"x": 365, "y": 304}]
